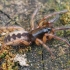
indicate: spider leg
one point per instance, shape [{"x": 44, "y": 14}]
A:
[
  {"x": 55, "y": 13},
  {"x": 44, "y": 45},
  {"x": 14, "y": 43},
  {"x": 58, "y": 38},
  {"x": 32, "y": 19},
  {"x": 42, "y": 21},
  {"x": 62, "y": 28},
  {"x": 18, "y": 42},
  {"x": 11, "y": 28}
]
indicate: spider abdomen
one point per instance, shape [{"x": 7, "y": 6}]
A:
[{"x": 18, "y": 35}]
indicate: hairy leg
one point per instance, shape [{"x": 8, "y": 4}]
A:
[
  {"x": 61, "y": 28},
  {"x": 11, "y": 28},
  {"x": 45, "y": 46},
  {"x": 55, "y": 13},
  {"x": 42, "y": 21},
  {"x": 32, "y": 19},
  {"x": 18, "y": 42},
  {"x": 58, "y": 38}
]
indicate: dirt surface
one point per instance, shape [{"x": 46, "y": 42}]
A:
[{"x": 18, "y": 12}]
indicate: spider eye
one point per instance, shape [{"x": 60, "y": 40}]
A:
[{"x": 49, "y": 29}]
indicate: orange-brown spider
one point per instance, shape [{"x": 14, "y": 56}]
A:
[{"x": 39, "y": 35}]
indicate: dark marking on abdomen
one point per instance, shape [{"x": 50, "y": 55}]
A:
[
  {"x": 13, "y": 36},
  {"x": 18, "y": 35},
  {"x": 23, "y": 36},
  {"x": 7, "y": 38}
]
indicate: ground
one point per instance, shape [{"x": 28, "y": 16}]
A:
[{"x": 18, "y": 12}]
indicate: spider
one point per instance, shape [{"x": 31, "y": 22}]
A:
[{"x": 39, "y": 35}]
